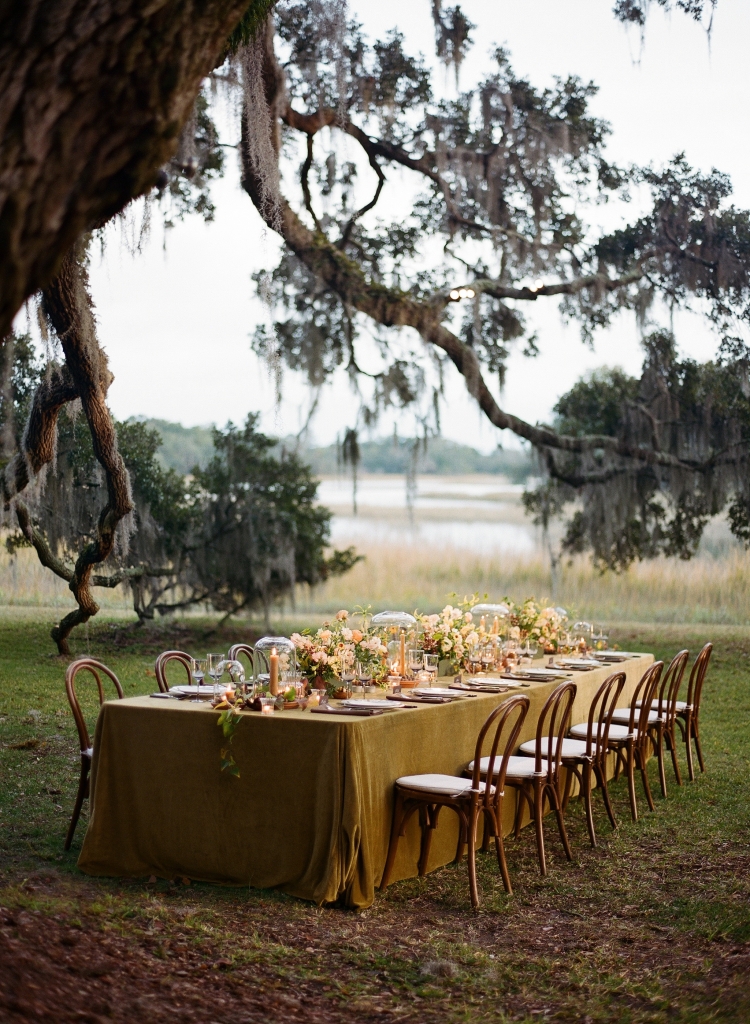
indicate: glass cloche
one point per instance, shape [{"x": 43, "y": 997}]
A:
[
  {"x": 490, "y": 612},
  {"x": 274, "y": 665}
]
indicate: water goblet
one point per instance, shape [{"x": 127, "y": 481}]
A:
[
  {"x": 415, "y": 661},
  {"x": 431, "y": 665},
  {"x": 364, "y": 675},
  {"x": 487, "y": 657},
  {"x": 197, "y": 674},
  {"x": 215, "y": 666}
]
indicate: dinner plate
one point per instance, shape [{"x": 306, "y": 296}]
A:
[
  {"x": 433, "y": 691},
  {"x": 573, "y": 662},
  {"x": 203, "y": 691}
]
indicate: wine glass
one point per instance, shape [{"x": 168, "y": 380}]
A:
[
  {"x": 415, "y": 661},
  {"x": 215, "y": 666},
  {"x": 475, "y": 658},
  {"x": 532, "y": 649},
  {"x": 487, "y": 657},
  {"x": 364, "y": 675},
  {"x": 431, "y": 664},
  {"x": 197, "y": 674}
]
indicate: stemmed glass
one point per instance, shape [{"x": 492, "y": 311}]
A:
[
  {"x": 431, "y": 665},
  {"x": 414, "y": 661},
  {"x": 364, "y": 674},
  {"x": 215, "y": 666},
  {"x": 197, "y": 674},
  {"x": 488, "y": 657},
  {"x": 475, "y": 658}
]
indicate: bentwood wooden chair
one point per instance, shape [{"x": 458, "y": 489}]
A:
[
  {"x": 163, "y": 660},
  {"x": 688, "y": 714},
  {"x": 537, "y": 780},
  {"x": 97, "y": 670},
  {"x": 586, "y": 759},
  {"x": 467, "y": 797},
  {"x": 661, "y": 720},
  {"x": 632, "y": 742},
  {"x": 237, "y": 650}
]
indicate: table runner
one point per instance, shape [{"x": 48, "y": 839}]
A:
[{"x": 311, "y": 810}]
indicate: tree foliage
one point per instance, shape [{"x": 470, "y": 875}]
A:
[
  {"x": 238, "y": 534},
  {"x": 494, "y": 198}
]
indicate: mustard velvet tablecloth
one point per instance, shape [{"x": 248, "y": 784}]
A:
[{"x": 311, "y": 810}]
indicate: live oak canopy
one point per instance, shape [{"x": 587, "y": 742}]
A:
[{"x": 499, "y": 168}]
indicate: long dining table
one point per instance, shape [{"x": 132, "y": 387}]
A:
[{"x": 309, "y": 813}]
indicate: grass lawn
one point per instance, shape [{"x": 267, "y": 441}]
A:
[{"x": 653, "y": 926}]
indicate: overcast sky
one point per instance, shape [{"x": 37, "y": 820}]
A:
[{"x": 176, "y": 323}]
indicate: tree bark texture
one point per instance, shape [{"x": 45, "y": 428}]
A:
[{"x": 93, "y": 94}]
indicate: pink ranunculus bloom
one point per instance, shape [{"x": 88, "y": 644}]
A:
[
  {"x": 356, "y": 635},
  {"x": 342, "y": 615},
  {"x": 320, "y": 657}
]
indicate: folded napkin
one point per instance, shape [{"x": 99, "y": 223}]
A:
[{"x": 362, "y": 712}]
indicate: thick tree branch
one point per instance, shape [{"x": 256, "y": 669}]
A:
[{"x": 67, "y": 305}]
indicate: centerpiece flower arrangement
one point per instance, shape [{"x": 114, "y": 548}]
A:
[
  {"x": 323, "y": 655},
  {"x": 450, "y": 633},
  {"x": 533, "y": 622},
  {"x": 453, "y": 632}
]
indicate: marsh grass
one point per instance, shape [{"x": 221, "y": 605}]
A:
[
  {"x": 707, "y": 589},
  {"x": 652, "y": 927}
]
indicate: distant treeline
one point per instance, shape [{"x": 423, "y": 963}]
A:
[{"x": 185, "y": 447}]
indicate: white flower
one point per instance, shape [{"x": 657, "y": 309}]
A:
[
  {"x": 472, "y": 638},
  {"x": 468, "y": 617},
  {"x": 347, "y": 634}
]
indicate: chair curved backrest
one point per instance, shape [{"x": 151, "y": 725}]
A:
[
  {"x": 600, "y": 714},
  {"x": 502, "y": 719},
  {"x": 247, "y": 650},
  {"x": 97, "y": 670},
  {"x": 644, "y": 693},
  {"x": 697, "y": 676},
  {"x": 671, "y": 681},
  {"x": 163, "y": 660},
  {"x": 553, "y": 724}
]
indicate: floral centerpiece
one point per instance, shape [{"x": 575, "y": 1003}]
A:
[
  {"x": 453, "y": 632},
  {"x": 450, "y": 633},
  {"x": 325, "y": 654},
  {"x": 541, "y": 625}
]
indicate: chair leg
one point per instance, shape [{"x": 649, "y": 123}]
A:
[
  {"x": 570, "y": 772},
  {"x": 520, "y": 798},
  {"x": 472, "y": 855},
  {"x": 500, "y": 850},
  {"x": 660, "y": 755},
  {"x": 673, "y": 752},
  {"x": 643, "y": 766},
  {"x": 555, "y": 802},
  {"x": 83, "y": 792},
  {"x": 396, "y": 833},
  {"x": 587, "y": 803},
  {"x": 697, "y": 734},
  {"x": 486, "y": 835},
  {"x": 688, "y": 734},
  {"x": 538, "y": 818},
  {"x": 630, "y": 753},
  {"x": 432, "y": 812},
  {"x": 601, "y": 777}
]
